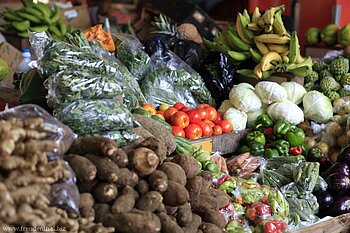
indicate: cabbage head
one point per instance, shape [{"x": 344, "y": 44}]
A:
[
  {"x": 237, "y": 118},
  {"x": 243, "y": 97},
  {"x": 226, "y": 104},
  {"x": 287, "y": 111},
  {"x": 317, "y": 107},
  {"x": 270, "y": 92},
  {"x": 295, "y": 91}
]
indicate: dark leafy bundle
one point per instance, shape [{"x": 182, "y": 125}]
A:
[
  {"x": 95, "y": 116},
  {"x": 130, "y": 52}
]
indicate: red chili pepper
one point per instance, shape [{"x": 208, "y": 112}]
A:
[
  {"x": 269, "y": 227},
  {"x": 298, "y": 150},
  {"x": 268, "y": 131},
  {"x": 280, "y": 225},
  {"x": 223, "y": 179}
]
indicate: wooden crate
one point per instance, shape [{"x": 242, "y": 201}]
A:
[{"x": 340, "y": 224}]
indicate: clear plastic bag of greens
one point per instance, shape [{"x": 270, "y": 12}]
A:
[
  {"x": 130, "y": 52},
  {"x": 272, "y": 177},
  {"x": 121, "y": 137},
  {"x": 93, "y": 116},
  {"x": 61, "y": 134},
  {"x": 306, "y": 175}
]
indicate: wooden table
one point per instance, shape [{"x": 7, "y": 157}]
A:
[{"x": 8, "y": 96}]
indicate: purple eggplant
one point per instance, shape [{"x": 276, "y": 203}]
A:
[
  {"x": 341, "y": 206},
  {"x": 338, "y": 183},
  {"x": 338, "y": 167},
  {"x": 344, "y": 155},
  {"x": 324, "y": 199}
]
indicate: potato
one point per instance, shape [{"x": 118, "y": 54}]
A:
[
  {"x": 86, "y": 203},
  {"x": 222, "y": 199},
  {"x": 184, "y": 215},
  {"x": 126, "y": 178},
  {"x": 215, "y": 217},
  {"x": 105, "y": 192},
  {"x": 168, "y": 225},
  {"x": 174, "y": 172},
  {"x": 157, "y": 145},
  {"x": 131, "y": 190},
  {"x": 194, "y": 185},
  {"x": 193, "y": 226},
  {"x": 176, "y": 194},
  {"x": 101, "y": 210},
  {"x": 120, "y": 158},
  {"x": 158, "y": 181},
  {"x": 142, "y": 187},
  {"x": 188, "y": 163},
  {"x": 84, "y": 169},
  {"x": 171, "y": 210},
  {"x": 210, "y": 228},
  {"x": 123, "y": 203},
  {"x": 86, "y": 186},
  {"x": 107, "y": 170},
  {"x": 150, "y": 201}
]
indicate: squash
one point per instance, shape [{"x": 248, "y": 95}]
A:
[{"x": 96, "y": 33}]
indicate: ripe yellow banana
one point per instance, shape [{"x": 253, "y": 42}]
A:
[
  {"x": 272, "y": 38},
  {"x": 254, "y": 27},
  {"x": 285, "y": 59},
  {"x": 257, "y": 71},
  {"x": 268, "y": 58},
  {"x": 278, "y": 48},
  {"x": 256, "y": 15},
  {"x": 269, "y": 15},
  {"x": 278, "y": 25},
  {"x": 261, "y": 47},
  {"x": 239, "y": 28},
  {"x": 294, "y": 49}
]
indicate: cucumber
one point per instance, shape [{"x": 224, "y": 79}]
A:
[
  {"x": 141, "y": 111},
  {"x": 183, "y": 146},
  {"x": 160, "y": 120}
]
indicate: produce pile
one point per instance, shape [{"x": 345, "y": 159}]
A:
[
  {"x": 35, "y": 17},
  {"x": 330, "y": 77},
  {"x": 330, "y": 35},
  {"x": 264, "y": 38}
]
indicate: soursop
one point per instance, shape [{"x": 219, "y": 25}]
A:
[
  {"x": 309, "y": 86},
  {"x": 332, "y": 95},
  {"x": 339, "y": 66},
  {"x": 343, "y": 92},
  {"x": 319, "y": 66},
  {"x": 329, "y": 84},
  {"x": 345, "y": 79},
  {"x": 338, "y": 78},
  {"x": 325, "y": 73},
  {"x": 312, "y": 77}
]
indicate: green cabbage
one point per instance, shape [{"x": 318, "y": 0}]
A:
[
  {"x": 295, "y": 91},
  {"x": 243, "y": 97},
  {"x": 287, "y": 111},
  {"x": 317, "y": 107}
]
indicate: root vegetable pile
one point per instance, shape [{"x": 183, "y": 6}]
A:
[
  {"x": 26, "y": 176},
  {"x": 137, "y": 189}
]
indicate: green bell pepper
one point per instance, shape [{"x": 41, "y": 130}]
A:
[
  {"x": 281, "y": 128},
  {"x": 295, "y": 136},
  {"x": 256, "y": 148},
  {"x": 314, "y": 154},
  {"x": 243, "y": 149},
  {"x": 271, "y": 153},
  {"x": 305, "y": 150},
  {"x": 212, "y": 167},
  {"x": 282, "y": 146},
  {"x": 256, "y": 136},
  {"x": 263, "y": 121}
]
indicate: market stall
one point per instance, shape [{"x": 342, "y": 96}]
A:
[{"x": 176, "y": 133}]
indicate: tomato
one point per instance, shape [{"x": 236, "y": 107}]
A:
[
  {"x": 202, "y": 112},
  {"x": 179, "y": 105},
  {"x": 169, "y": 113},
  {"x": 194, "y": 116},
  {"x": 211, "y": 113},
  {"x": 163, "y": 107},
  {"x": 209, "y": 122},
  {"x": 269, "y": 227},
  {"x": 207, "y": 130},
  {"x": 203, "y": 106},
  {"x": 193, "y": 131},
  {"x": 225, "y": 125},
  {"x": 217, "y": 130},
  {"x": 218, "y": 118},
  {"x": 185, "y": 109},
  {"x": 160, "y": 112},
  {"x": 161, "y": 116},
  {"x": 178, "y": 131},
  {"x": 150, "y": 108},
  {"x": 180, "y": 119}
]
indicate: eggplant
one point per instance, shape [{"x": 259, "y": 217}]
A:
[
  {"x": 341, "y": 206},
  {"x": 338, "y": 183},
  {"x": 344, "y": 155},
  {"x": 325, "y": 163},
  {"x": 338, "y": 167},
  {"x": 324, "y": 199}
]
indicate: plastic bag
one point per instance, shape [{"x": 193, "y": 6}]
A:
[
  {"x": 243, "y": 164},
  {"x": 219, "y": 161},
  {"x": 218, "y": 72},
  {"x": 57, "y": 58},
  {"x": 131, "y": 53},
  {"x": 65, "y": 193},
  {"x": 94, "y": 116},
  {"x": 121, "y": 137},
  {"x": 189, "y": 51},
  {"x": 61, "y": 134}
]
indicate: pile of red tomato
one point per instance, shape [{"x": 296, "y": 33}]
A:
[{"x": 204, "y": 121}]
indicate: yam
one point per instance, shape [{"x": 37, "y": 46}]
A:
[
  {"x": 215, "y": 217},
  {"x": 174, "y": 172},
  {"x": 158, "y": 181},
  {"x": 107, "y": 170},
  {"x": 176, "y": 194},
  {"x": 184, "y": 215},
  {"x": 142, "y": 187},
  {"x": 222, "y": 199},
  {"x": 157, "y": 145},
  {"x": 171, "y": 210},
  {"x": 161, "y": 208},
  {"x": 210, "y": 228},
  {"x": 134, "y": 222},
  {"x": 101, "y": 210},
  {"x": 193, "y": 226},
  {"x": 120, "y": 158},
  {"x": 95, "y": 145},
  {"x": 84, "y": 169},
  {"x": 159, "y": 131},
  {"x": 132, "y": 146},
  {"x": 86, "y": 186},
  {"x": 105, "y": 192},
  {"x": 201, "y": 203},
  {"x": 144, "y": 161},
  {"x": 194, "y": 185},
  {"x": 123, "y": 203},
  {"x": 168, "y": 225},
  {"x": 188, "y": 163},
  {"x": 126, "y": 178},
  {"x": 150, "y": 201},
  {"x": 142, "y": 132},
  {"x": 86, "y": 203},
  {"x": 131, "y": 190}
]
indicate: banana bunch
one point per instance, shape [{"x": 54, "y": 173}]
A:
[
  {"x": 264, "y": 39},
  {"x": 35, "y": 17}
]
